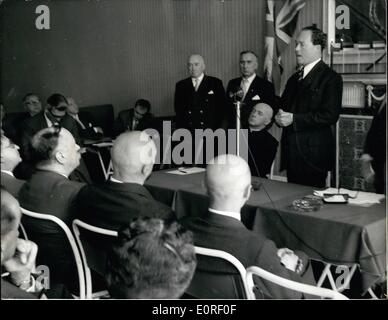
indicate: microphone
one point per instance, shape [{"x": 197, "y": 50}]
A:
[{"x": 238, "y": 95}]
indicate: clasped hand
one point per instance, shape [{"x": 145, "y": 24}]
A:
[
  {"x": 284, "y": 119},
  {"x": 290, "y": 260}
]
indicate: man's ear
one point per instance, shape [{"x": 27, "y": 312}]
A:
[
  {"x": 60, "y": 157},
  {"x": 247, "y": 192},
  {"x": 147, "y": 169}
]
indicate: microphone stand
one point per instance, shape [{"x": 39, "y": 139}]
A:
[{"x": 238, "y": 126}]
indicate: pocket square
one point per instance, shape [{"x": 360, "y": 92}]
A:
[
  {"x": 210, "y": 92},
  {"x": 256, "y": 97}
]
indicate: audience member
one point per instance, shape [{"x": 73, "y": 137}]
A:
[
  {"x": 10, "y": 158},
  {"x": 49, "y": 191},
  {"x": 249, "y": 89},
  {"x": 84, "y": 121},
  {"x": 151, "y": 259},
  {"x": 17, "y": 255},
  {"x": 115, "y": 202},
  {"x": 228, "y": 182},
  {"x": 32, "y": 104},
  {"x": 137, "y": 118},
  {"x": 309, "y": 107},
  {"x": 373, "y": 160},
  {"x": 199, "y": 99},
  {"x": 262, "y": 145}
]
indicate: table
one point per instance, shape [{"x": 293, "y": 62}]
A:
[{"x": 337, "y": 233}]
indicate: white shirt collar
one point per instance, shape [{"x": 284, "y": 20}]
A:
[
  {"x": 48, "y": 121},
  {"x": 309, "y": 67},
  {"x": 230, "y": 214},
  {"x": 249, "y": 79},
  {"x": 255, "y": 129},
  {"x": 115, "y": 180},
  {"x": 200, "y": 78},
  {"x": 8, "y": 172}
]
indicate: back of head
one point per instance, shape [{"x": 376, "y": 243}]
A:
[
  {"x": 228, "y": 181},
  {"x": 55, "y": 147},
  {"x": 151, "y": 259},
  {"x": 133, "y": 156},
  {"x": 10, "y": 219}
]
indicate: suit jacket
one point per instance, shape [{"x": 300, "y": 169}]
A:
[
  {"x": 229, "y": 234},
  {"x": 10, "y": 291},
  {"x": 51, "y": 193},
  {"x": 38, "y": 122},
  {"x": 87, "y": 132},
  {"x": 260, "y": 90},
  {"x": 12, "y": 184},
  {"x": 316, "y": 103},
  {"x": 124, "y": 122},
  {"x": 111, "y": 205},
  {"x": 201, "y": 109},
  {"x": 263, "y": 147},
  {"x": 13, "y": 124}
]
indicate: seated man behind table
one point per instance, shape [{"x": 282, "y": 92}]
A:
[
  {"x": 49, "y": 191},
  {"x": 262, "y": 145},
  {"x": 228, "y": 182},
  {"x": 115, "y": 202},
  {"x": 18, "y": 258},
  {"x": 10, "y": 158},
  {"x": 137, "y": 118},
  {"x": 151, "y": 259}
]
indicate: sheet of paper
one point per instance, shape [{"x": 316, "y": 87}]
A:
[
  {"x": 360, "y": 197},
  {"x": 186, "y": 171}
]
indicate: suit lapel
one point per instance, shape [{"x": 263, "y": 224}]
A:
[{"x": 308, "y": 80}]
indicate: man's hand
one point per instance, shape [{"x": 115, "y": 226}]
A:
[
  {"x": 284, "y": 119},
  {"x": 290, "y": 260},
  {"x": 366, "y": 168},
  {"x": 22, "y": 264}
]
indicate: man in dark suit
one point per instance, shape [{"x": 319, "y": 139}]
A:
[
  {"x": 115, "y": 202},
  {"x": 49, "y": 191},
  {"x": 137, "y": 118},
  {"x": 13, "y": 123},
  {"x": 309, "y": 107},
  {"x": 262, "y": 145},
  {"x": 200, "y": 99},
  {"x": 249, "y": 89},
  {"x": 10, "y": 158},
  {"x": 84, "y": 121},
  {"x": 228, "y": 182}
]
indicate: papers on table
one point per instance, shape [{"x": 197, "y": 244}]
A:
[
  {"x": 355, "y": 197},
  {"x": 186, "y": 171}
]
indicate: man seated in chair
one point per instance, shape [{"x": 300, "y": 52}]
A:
[
  {"x": 228, "y": 181},
  {"x": 49, "y": 191},
  {"x": 18, "y": 257},
  {"x": 262, "y": 145},
  {"x": 137, "y": 118},
  {"x": 116, "y": 202},
  {"x": 10, "y": 158},
  {"x": 151, "y": 259}
]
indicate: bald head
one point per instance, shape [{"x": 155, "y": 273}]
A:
[
  {"x": 228, "y": 180},
  {"x": 196, "y": 65},
  {"x": 133, "y": 156},
  {"x": 260, "y": 116}
]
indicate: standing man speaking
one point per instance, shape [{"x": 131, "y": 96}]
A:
[{"x": 309, "y": 107}]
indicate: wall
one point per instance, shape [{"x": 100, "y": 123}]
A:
[{"x": 117, "y": 51}]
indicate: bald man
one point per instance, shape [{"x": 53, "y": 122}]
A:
[
  {"x": 262, "y": 145},
  {"x": 199, "y": 99},
  {"x": 228, "y": 182},
  {"x": 114, "y": 203}
]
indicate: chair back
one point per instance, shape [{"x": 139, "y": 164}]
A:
[
  {"x": 289, "y": 284},
  {"x": 94, "y": 243},
  {"x": 219, "y": 275},
  {"x": 55, "y": 225}
]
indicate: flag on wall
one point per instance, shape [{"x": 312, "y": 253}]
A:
[{"x": 281, "y": 19}]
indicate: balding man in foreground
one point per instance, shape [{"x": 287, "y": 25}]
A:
[
  {"x": 228, "y": 182},
  {"x": 114, "y": 203}
]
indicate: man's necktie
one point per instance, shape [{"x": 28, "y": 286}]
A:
[
  {"x": 196, "y": 84},
  {"x": 300, "y": 74}
]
